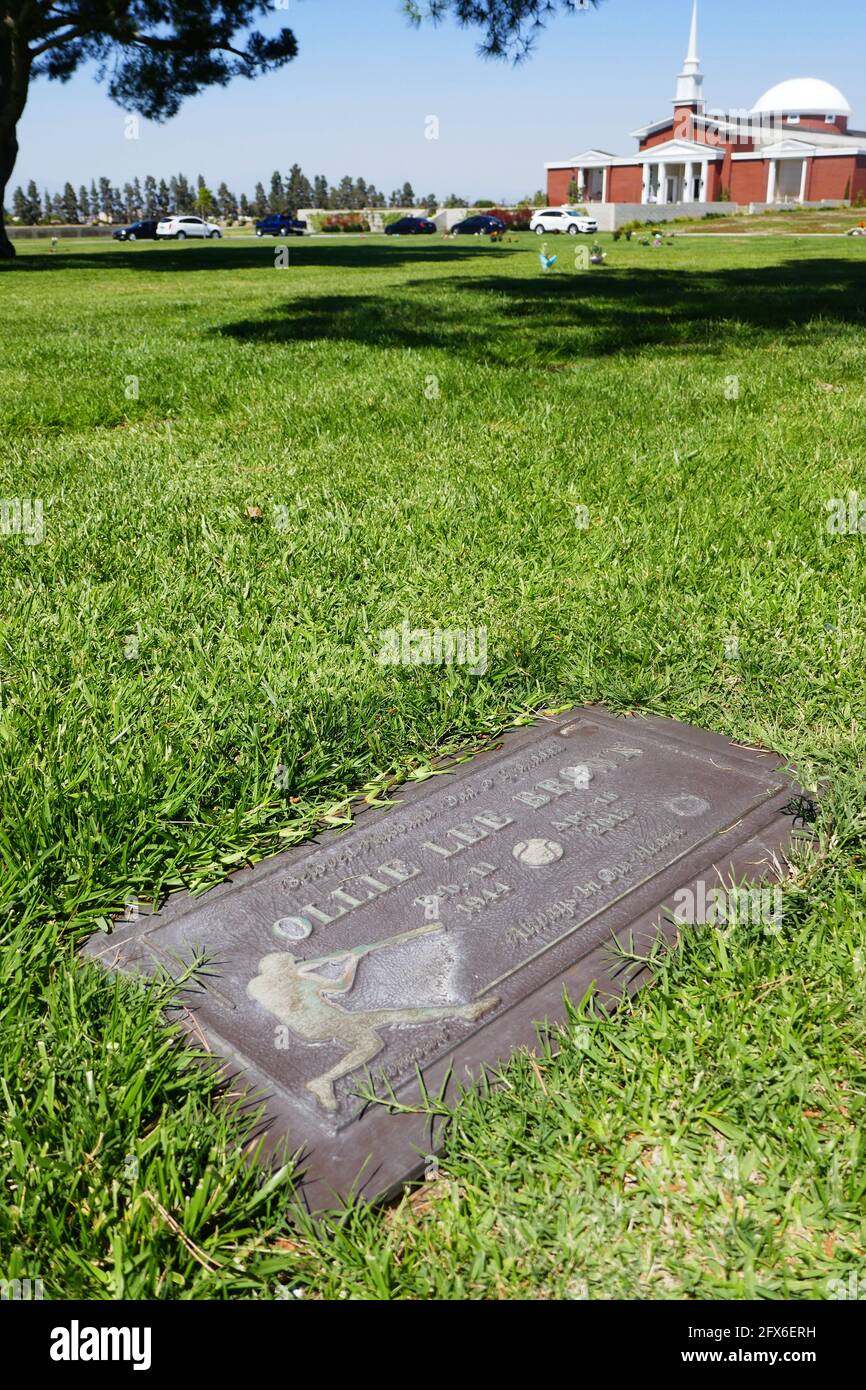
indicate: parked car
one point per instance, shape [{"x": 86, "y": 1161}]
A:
[
  {"x": 482, "y": 225},
  {"x": 182, "y": 227},
  {"x": 411, "y": 226},
  {"x": 137, "y": 231},
  {"x": 562, "y": 220},
  {"x": 280, "y": 224}
]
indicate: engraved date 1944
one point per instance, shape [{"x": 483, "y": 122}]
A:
[{"x": 474, "y": 895}]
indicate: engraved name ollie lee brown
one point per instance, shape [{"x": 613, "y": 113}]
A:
[{"x": 568, "y": 816}]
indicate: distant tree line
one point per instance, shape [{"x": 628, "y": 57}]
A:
[{"x": 151, "y": 197}]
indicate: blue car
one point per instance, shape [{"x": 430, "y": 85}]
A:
[
  {"x": 482, "y": 225},
  {"x": 411, "y": 226},
  {"x": 137, "y": 231},
  {"x": 280, "y": 224}
]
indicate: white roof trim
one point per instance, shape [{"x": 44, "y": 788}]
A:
[
  {"x": 802, "y": 152},
  {"x": 653, "y": 126},
  {"x": 788, "y": 147},
  {"x": 763, "y": 135},
  {"x": 688, "y": 149},
  {"x": 590, "y": 159}
]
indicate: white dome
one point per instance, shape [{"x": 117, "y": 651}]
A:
[{"x": 803, "y": 96}]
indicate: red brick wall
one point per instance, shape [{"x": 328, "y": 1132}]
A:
[
  {"x": 714, "y": 181},
  {"x": 840, "y": 123},
  {"x": 658, "y": 137},
  {"x": 726, "y": 169},
  {"x": 828, "y": 178},
  {"x": 683, "y": 126},
  {"x": 625, "y": 184},
  {"x": 748, "y": 181},
  {"x": 557, "y": 185},
  {"x": 858, "y": 181}
]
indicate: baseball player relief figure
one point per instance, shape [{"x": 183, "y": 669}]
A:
[{"x": 309, "y": 1002}]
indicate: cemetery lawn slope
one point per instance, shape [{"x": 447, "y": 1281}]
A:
[{"x": 236, "y": 476}]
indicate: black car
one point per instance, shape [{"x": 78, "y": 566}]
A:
[
  {"x": 481, "y": 225},
  {"x": 411, "y": 226},
  {"x": 136, "y": 231},
  {"x": 280, "y": 224}
]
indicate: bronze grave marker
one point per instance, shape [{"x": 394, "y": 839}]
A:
[{"x": 438, "y": 932}]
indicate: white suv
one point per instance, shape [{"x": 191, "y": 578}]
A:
[
  {"x": 181, "y": 227},
  {"x": 562, "y": 220}
]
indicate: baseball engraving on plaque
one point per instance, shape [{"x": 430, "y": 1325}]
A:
[{"x": 438, "y": 932}]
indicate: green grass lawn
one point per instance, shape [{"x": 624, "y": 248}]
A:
[
  {"x": 418, "y": 423},
  {"x": 793, "y": 221}
]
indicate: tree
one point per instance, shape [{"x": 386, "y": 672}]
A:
[
  {"x": 149, "y": 197},
  {"x": 204, "y": 200},
  {"x": 226, "y": 203},
  {"x": 21, "y": 209},
  {"x": 153, "y": 52},
  {"x": 509, "y": 27},
  {"x": 104, "y": 205},
  {"x": 277, "y": 197},
  {"x": 407, "y": 194},
  {"x": 70, "y": 204},
  {"x": 299, "y": 191},
  {"x": 183, "y": 194},
  {"x": 34, "y": 203},
  {"x": 320, "y": 191},
  {"x": 244, "y": 205},
  {"x": 342, "y": 196},
  {"x": 83, "y": 203},
  {"x": 163, "y": 197},
  {"x": 260, "y": 202}
]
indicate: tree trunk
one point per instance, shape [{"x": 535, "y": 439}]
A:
[
  {"x": 8, "y": 155},
  {"x": 15, "y": 61}
]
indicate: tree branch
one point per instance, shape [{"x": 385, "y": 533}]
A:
[
  {"x": 177, "y": 46},
  {"x": 58, "y": 39}
]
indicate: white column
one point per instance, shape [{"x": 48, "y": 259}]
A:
[
  {"x": 803, "y": 180},
  {"x": 689, "y": 190},
  {"x": 647, "y": 182},
  {"x": 771, "y": 181},
  {"x": 581, "y": 180},
  {"x": 663, "y": 184},
  {"x": 604, "y": 182},
  {"x": 705, "y": 180}
]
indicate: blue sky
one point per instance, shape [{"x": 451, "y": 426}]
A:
[{"x": 356, "y": 98}]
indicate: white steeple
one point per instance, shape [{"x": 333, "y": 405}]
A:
[{"x": 690, "y": 83}]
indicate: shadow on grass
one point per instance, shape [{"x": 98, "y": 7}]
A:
[
  {"x": 513, "y": 320},
  {"x": 254, "y": 255}
]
